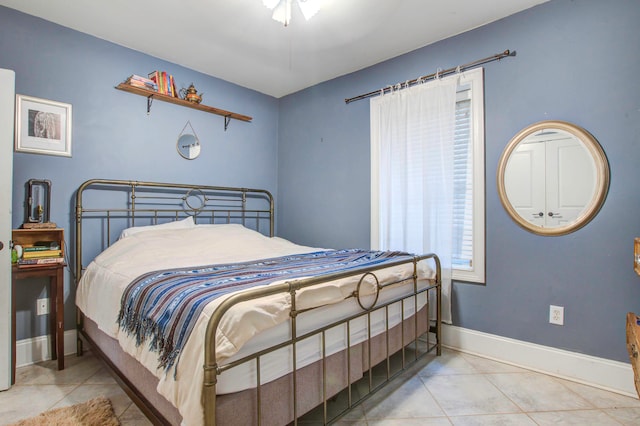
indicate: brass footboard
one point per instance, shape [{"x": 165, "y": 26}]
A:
[{"x": 212, "y": 368}]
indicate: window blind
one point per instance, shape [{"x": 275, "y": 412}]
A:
[{"x": 463, "y": 184}]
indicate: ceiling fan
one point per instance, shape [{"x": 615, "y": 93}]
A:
[{"x": 282, "y": 9}]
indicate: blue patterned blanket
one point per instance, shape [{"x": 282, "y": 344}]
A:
[{"x": 162, "y": 307}]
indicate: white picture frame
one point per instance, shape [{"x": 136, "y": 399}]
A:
[{"x": 42, "y": 126}]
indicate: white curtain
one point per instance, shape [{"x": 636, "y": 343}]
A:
[{"x": 412, "y": 134}]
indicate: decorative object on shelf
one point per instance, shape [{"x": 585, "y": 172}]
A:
[
  {"x": 42, "y": 126},
  {"x": 191, "y": 94},
  {"x": 282, "y": 9},
  {"x": 38, "y": 205},
  {"x": 150, "y": 95},
  {"x": 14, "y": 252},
  {"x": 188, "y": 144}
]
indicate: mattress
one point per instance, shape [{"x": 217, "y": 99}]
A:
[{"x": 101, "y": 287}]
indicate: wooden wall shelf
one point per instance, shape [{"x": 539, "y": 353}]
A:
[{"x": 150, "y": 95}]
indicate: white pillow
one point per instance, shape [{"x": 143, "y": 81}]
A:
[{"x": 178, "y": 224}]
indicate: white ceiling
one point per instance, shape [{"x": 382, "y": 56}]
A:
[{"x": 237, "y": 41}]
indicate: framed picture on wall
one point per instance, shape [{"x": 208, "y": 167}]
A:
[{"x": 42, "y": 126}]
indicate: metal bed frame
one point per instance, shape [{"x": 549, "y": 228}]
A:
[{"x": 149, "y": 203}]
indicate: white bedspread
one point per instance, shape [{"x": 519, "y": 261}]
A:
[{"x": 108, "y": 275}]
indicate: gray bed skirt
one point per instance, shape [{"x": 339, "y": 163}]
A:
[{"x": 242, "y": 407}]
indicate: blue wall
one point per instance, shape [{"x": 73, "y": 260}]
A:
[
  {"x": 113, "y": 138},
  {"x": 576, "y": 61}
]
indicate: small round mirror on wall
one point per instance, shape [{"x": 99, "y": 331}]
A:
[
  {"x": 188, "y": 146},
  {"x": 553, "y": 178}
]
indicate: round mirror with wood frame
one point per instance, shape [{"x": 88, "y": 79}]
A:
[{"x": 553, "y": 178}]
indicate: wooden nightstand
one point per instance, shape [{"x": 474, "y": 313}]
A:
[{"x": 55, "y": 273}]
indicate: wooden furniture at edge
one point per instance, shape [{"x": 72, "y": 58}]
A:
[
  {"x": 149, "y": 94},
  {"x": 55, "y": 273},
  {"x": 636, "y": 255},
  {"x": 633, "y": 347}
]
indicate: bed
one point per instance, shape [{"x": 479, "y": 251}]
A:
[{"x": 262, "y": 330}]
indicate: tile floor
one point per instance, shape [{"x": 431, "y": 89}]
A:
[{"x": 454, "y": 389}]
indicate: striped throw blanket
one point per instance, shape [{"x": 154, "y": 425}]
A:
[{"x": 162, "y": 307}]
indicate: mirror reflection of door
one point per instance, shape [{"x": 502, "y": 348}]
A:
[
  {"x": 571, "y": 180},
  {"x": 525, "y": 182},
  {"x": 550, "y": 178}
]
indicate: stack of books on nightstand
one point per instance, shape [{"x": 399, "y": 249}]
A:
[{"x": 41, "y": 253}]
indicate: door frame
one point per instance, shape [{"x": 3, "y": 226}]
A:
[{"x": 7, "y": 111}]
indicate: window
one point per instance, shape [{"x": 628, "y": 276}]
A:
[
  {"x": 469, "y": 184},
  {"x": 467, "y": 257}
]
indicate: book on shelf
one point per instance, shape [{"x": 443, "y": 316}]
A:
[
  {"x": 41, "y": 253},
  {"x": 52, "y": 245},
  {"x": 143, "y": 85},
  {"x": 29, "y": 249},
  {"x": 139, "y": 78},
  {"x": 153, "y": 76},
  {"x": 173, "y": 87},
  {"x": 42, "y": 245},
  {"x": 164, "y": 82},
  {"x": 41, "y": 261},
  {"x": 142, "y": 82},
  {"x": 165, "y": 85}
]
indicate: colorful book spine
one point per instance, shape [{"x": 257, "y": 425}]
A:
[
  {"x": 155, "y": 77},
  {"x": 41, "y": 253},
  {"x": 35, "y": 248},
  {"x": 149, "y": 85},
  {"x": 165, "y": 86},
  {"x": 43, "y": 261},
  {"x": 145, "y": 80},
  {"x": 163, "y": 82},
  {"x": 174, "y": 92}
]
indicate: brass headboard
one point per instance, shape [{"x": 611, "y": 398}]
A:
[{"x": 109, "y": 206}]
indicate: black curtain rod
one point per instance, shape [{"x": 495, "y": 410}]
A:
[{"x": 406, "y": 84}]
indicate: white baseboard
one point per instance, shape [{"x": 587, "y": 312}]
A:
[
  {"x": 606, "y": 374},
  {"x": 37, "y": 349}
]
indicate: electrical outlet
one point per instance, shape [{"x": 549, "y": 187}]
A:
[
  {"x": 556, "y": 315},
  {"x": 42, "y": 307}
]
